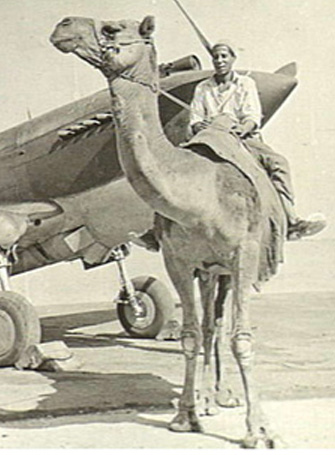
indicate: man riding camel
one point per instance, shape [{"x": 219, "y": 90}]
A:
[{"x": 228, "y": 93}]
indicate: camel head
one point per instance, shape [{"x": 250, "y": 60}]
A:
[{"x": 114, "y": 47}]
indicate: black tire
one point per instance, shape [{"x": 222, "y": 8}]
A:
[
  {"x": 19, "y": 327},
  {"x": 158, "y": 305}
]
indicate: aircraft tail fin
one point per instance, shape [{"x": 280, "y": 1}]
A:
[{"x": 288, "y": 70}]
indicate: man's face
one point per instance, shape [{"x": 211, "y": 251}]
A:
[{"x": 223, "y": 60}]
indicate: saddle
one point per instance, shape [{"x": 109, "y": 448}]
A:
[{"x": 221, "y": 145}]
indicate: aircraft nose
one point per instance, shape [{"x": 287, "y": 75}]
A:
[
  {"x": 275, "y": 92},
  {"x": 12, "y": 227}
]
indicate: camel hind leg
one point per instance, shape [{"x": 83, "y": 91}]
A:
[
  {"x": 223, "y": 396},
  {"x": 215, "y": 389},
  {"x": 259, "y": 434},
  {"x": 207, "y": 285}
]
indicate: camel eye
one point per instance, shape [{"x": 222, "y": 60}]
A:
[
  {"x": 111, "y": 30},
  {"x": 66, "y": 21}
]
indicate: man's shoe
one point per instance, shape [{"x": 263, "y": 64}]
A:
[
  {"x": 305, "y": 228},
  {"x": 147, "y": 240}
]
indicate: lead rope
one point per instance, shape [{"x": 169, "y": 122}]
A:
[{"x": 155, "y": 89}]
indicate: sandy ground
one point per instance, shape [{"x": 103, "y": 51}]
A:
[
  {"x": 305, "y": 425},
  {"x": 122, "y": 396}
]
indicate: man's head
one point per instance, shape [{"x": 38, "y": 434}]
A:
[{"x": 224, "y": 57}]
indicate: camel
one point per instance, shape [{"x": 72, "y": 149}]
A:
[{"x": 210, "y": 220}]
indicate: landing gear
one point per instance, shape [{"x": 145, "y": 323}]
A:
[
  {"x": 153, "y": 310},
  {"x": 19, "y": 323},
  {"x": 144, "y": 307},
  {"x": 144, "y": 304},
  {"x": 19, "y": 327}
]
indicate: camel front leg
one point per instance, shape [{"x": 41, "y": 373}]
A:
[
  {"x": 241, "y": 342},
  {"x": 186, "y": 419}
]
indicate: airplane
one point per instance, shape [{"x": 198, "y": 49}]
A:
[{"x": 63, "y": 197}]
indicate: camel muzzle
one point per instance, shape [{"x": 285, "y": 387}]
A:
[{"x": 65, "y": 45}]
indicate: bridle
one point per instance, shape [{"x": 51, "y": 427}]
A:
[{"x": 107, "y": 43}]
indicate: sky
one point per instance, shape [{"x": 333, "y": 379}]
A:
[{"x": 35, "y": 78}]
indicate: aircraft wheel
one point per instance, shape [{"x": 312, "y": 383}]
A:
[
  {"x": 157, "y": 304},
  {"x": 19, "y": 327}
]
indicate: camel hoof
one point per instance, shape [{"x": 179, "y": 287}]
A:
[
  {"x": 262, "y": 441},
  {"x": 227, "y": 400},
  {"x": 276, "y": 442},
  {"x": 206, "y": 404},
  {"x": 207, "y": 408},
  {"x": 252, "y": 441},
  {"x": 186, "y": 422}
]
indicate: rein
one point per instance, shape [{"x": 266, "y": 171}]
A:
[{"x": 156, "y": 89}]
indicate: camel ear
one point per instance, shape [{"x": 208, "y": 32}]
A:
[
  {"x": 111, "y": 28},
  {"x": 147, "y": 26}
]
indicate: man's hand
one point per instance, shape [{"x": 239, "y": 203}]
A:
[
  {"x": 200, "y": 126},
  {"x": 243, "y": 130}
]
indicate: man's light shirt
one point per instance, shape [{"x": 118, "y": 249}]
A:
[{"x": 240, "y": 101}]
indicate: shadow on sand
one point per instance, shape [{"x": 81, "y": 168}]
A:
[
  {"x": 81, "y": 398},
  {"x": 57, "y": 327},
  {"x": 70, "y": 328},
  {"x": 89, "y": 397}
]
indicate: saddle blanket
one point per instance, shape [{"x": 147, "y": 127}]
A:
[{"x": 227, "y": 147}]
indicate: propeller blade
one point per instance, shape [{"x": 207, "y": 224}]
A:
[{"x": 202, "y": 38}]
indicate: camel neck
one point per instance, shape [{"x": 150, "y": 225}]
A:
[
  {"x": 155, "y": 168},
  {"x": 135, "y": 108},
  {"x": 143, "y": 148}
]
